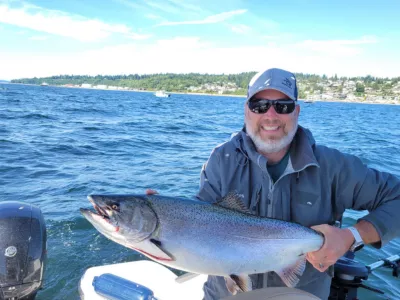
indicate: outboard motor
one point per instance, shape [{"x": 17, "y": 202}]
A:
[
  {"x": 350, "y": 275},
  {"x": 22, "y": 250}
]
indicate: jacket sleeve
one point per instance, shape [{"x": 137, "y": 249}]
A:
[
  {"x": 363, "y": 188},
  {"x": 210, "y": 179}
]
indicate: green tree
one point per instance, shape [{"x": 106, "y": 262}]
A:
[{"x": 360, "y": 88}]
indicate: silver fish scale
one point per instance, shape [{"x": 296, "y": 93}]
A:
[
  {"x": 172, "y": 210},
  {"x": 209, "y": 239}
]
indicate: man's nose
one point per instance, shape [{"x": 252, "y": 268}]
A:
[{"x": 271, "y": 112}]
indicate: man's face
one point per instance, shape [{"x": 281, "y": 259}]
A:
[{"x": 271, "y": 132}]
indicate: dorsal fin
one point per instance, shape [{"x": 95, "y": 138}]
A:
[{"x": 233, "y": 201}]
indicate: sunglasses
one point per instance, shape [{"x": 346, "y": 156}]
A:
[{"x": 281, "y": 106}]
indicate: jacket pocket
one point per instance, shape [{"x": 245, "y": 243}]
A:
[
  {"x": 305, "y": 198},
  {"x": 305, "y": 208}
]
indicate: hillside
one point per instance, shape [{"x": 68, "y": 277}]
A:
[{"x": 313, "y": 87}]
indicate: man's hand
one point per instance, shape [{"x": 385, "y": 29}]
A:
[{"x": 337, "y": 242}]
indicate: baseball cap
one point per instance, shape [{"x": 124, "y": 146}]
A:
[{"x": 275, "y": 79}]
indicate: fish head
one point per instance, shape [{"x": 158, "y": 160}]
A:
[{"x": 124, "y": 219}]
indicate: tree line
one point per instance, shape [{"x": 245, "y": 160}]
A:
[{"x": 183, "y": 82}]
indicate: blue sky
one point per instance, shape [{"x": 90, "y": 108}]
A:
[{"x": 347, "y": 38}]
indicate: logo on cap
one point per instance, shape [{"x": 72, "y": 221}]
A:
[{"x": 287, "y": 83}]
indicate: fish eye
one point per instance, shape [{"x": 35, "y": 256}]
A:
[{"x": 114, "y": 207}]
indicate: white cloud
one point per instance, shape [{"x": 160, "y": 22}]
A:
[
  {"x": 169, "y": 6},
  {"x": 185, "y": 55},
  {"x": 240, "y": 28},
  {"x": 269, "y": 37},
  {"x": 165, "y": 7},
  {"x": 136, "y": 36},
  {"x": 338, "y": 47},
  {"x": 62, "y": 24},
  {"x": 183, "y": 44},
  {"x": 38, "y": 38},
  {"x": 208, "y": 20},
  {"x": 186, "y": 6},
  {"x": 153, "y": 17}
]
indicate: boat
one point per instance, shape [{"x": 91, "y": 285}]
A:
[
  {"x": 44, "y": 84},
  {"x": 161, "y": 94},
  {"x": 145, "y": 273},
  {"x": 309, "y": 101},
  {"x": 145, "y": 279}
]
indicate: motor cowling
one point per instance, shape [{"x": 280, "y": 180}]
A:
[
  {"x": 349, "y": 275},
  {"x": 22, "y": 250}
]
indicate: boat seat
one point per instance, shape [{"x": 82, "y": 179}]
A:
[{"x": 274, "y": 293}]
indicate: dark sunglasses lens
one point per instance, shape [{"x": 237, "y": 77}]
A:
[
  {"x": 259, "y": 106},
  {"x": 284, "y": 107}
]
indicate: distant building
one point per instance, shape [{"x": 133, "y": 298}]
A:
[{"x": 86, "y": 85}]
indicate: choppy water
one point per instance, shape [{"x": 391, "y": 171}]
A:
[{"x": 58, "y": 145}]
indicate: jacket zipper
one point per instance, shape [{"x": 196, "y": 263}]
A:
[{"x": 264, "y": 277}]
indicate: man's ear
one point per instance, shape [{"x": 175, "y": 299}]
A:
[
  {"x": 246, "y": 109},
  {"x": 297, "y": 109}
]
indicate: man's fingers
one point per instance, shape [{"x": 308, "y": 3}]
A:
[
  {"x": 320, "y": 265},
  {"x": 319, "y": 228}
]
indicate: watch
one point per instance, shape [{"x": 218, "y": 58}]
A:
[{"x": 358, "y": 242}]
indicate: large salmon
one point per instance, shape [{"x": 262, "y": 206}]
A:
[{"x": 222, "y": 239}]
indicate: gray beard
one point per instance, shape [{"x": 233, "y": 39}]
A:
[{"x": 272, "y": 146}]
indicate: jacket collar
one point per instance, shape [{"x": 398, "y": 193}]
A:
[{"x": 301, "y": 149}]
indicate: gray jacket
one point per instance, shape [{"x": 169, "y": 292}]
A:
[{"x": 318, "y": 185}]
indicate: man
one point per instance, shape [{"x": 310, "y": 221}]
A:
[{"x": 284, "y": 174}]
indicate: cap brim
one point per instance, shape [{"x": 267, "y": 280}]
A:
[{"x": 271, "y": 88}]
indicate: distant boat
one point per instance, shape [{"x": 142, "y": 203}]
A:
[
  {"x": 44, "y": 84},
  {"x": 161, "y": 94},
  {"x": 309, "y": 101}
]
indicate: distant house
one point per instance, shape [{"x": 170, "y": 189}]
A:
[{"x": 86, "y": 85}]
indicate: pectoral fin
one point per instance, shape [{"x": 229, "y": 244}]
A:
[
  {"x": 152, "y": 249},
  {"x": 241, "y": 283},
  {"x": 291, "y": 274}
]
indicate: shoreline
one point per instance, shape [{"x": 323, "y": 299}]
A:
[{"x": 208, "y": 94}]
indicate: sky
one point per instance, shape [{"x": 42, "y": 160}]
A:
[{"x": 40, "y": 38}]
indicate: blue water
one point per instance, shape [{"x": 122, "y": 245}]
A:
[{"x": 58, "y": 145}]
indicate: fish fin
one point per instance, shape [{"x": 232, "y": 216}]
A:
[
  {"x": 185, "y": 277},
  {"x": 241, "y": 283},
  {"x": 291, "y": 274},
  {"x": 152, "y": 249},
  {"x": 233, "y": 201}
]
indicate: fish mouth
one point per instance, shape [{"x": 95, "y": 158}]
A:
[{"x": 98, "y": 213}]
